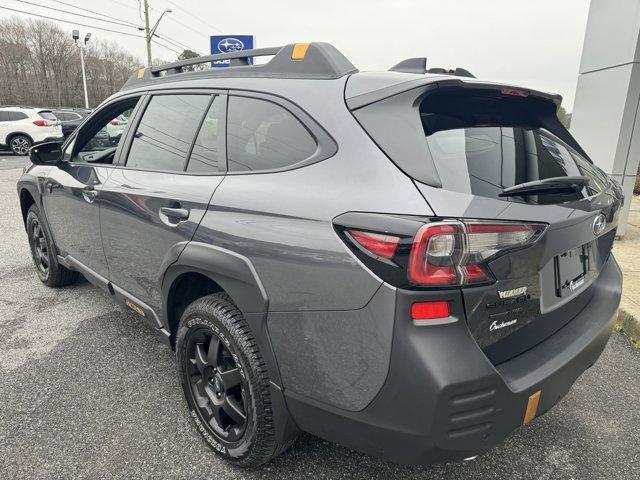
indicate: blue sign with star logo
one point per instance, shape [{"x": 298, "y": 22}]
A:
[{"x": 228, "y": 44}]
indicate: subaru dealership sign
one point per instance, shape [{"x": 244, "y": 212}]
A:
[{"x": 228, "y": 44}]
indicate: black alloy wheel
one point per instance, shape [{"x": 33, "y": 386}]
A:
[
  {"x": 216, "y": 385},
  {"x": 39, "y": 248},
  {"x": 226, "y": 384},
  {"x": 43, "y": 252}
]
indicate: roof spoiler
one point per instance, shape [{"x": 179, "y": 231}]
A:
[
  {"x": 298, "y": 60},
  {"x": 419, "y": 65},
  {"x": 458, "y": 72}
]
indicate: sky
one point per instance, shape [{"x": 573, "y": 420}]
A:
[{"x": 530, "y": 43}]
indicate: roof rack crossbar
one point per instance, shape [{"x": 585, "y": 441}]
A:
[
  {"x": 177, "y": 67},
  {"x": 317, "y": 60}
]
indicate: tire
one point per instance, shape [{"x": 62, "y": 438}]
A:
[
  {"x": 50, "y": 272},
  {"x": 20, "y": 144},
  {"x": 213, "y": 328}
]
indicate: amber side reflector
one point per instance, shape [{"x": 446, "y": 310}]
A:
[
  {"x": 140, "y": 73},
  {"x": 299, "y": 51},
  {"x": 532, "y": 407}
]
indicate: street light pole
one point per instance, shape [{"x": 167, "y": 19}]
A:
[
  {"x": 150, "y": 32},
  {"x": 84, "y": 79},
  {"x": 76, "y": 36}
]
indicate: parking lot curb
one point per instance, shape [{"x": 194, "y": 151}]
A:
[{"x": 629, "y": 325}]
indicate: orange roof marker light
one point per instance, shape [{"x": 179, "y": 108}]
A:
[{"x": 299, "y": 51}]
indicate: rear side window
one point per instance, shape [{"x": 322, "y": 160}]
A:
[
  {"x": 262, "y": 135},
  {"x": 166, "y": 132}
]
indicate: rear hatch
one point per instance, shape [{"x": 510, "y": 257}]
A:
[
  {"x": 465, "y": 143},
  {"x": 50, "y": 122}
]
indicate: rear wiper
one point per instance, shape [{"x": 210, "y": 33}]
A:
[{"x": 547, "y": 186}]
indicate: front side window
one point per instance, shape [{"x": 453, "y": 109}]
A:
[
  {"x": 166, "y": 131},
  {"x": 262, "y": 135},
  {"x": 98, "y": 141}
]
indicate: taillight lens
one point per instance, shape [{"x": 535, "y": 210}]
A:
[
  {"x": 454, "y": 252},
  {"x": 412, "y": 253},
  {"x": 378, "y": 244},
  {"x": 42, "y": 123}
]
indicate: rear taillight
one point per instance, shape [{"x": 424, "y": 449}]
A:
[
  {"x": 412, "y": 253},
  {"x": 42, "y": 123},
  {"x": 115, "y": 122},
  {"x": 455, "y": 252},
  {"x": 378, "y": 244}
]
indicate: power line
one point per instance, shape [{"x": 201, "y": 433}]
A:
[
  {"x": 77, "y": 14},
  {"x": 72, "y": 23},
  {"x": 176, "y": 43},
  {"x": 194, "y": 17},
  {"x": 166, "y": 38},
  {"x": 96, "y": 13},
  {"x": 165, "y": 46}
]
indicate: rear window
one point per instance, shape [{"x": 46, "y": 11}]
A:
[
  {"x": 47, "y": 115},
  {"x": 485, "y": 160},
  {"x": 479, "y": 140},
  {"x": 483, "y": 143}
]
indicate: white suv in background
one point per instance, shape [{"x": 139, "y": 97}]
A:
[{"x": 21, "y": 127}]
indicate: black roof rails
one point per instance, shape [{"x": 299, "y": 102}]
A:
[
  {"x": 299, "y": 60},
  {"x": 458, "y": 72},
  {"x": 411, "y": 65}
]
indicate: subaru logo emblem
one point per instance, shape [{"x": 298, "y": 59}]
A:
[
  {"x": 599, "y": 223},
  {"x": 230, "y": 44}
]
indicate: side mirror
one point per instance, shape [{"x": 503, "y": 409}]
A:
[{"x": 48, "y": 153}]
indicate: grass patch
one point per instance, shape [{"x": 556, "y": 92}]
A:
[{"x": 634, "y": 341}]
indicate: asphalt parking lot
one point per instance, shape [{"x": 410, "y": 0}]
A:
[{"x": 87, "y": 391}]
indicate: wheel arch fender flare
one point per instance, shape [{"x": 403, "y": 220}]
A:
[
  {"x": 33, "y": 190},
  {"x": 234, "y": 273}
]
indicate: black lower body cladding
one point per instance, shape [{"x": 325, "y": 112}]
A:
[{"x": 443, "y": 400}]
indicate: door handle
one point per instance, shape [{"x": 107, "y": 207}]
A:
[
  {"x": 89, "y": 193},
  {"x": 178, "y": 214}
]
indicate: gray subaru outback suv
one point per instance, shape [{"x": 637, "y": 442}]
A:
[{"x": 410, "y": 263}]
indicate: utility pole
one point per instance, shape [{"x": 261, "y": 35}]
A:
[
  {"x": 150, "y": 32},
  {"x": 146, "y": 32}
]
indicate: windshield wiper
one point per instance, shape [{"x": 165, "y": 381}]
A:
[{"x": 547, "y": 186}]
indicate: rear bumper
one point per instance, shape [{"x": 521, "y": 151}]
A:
[{"x": 443, "y": 400}]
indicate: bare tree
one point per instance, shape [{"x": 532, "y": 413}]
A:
[{"x": 40, "y": 65}]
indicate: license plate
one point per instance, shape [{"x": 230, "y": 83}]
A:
[{"x": 571, "y": 270}]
